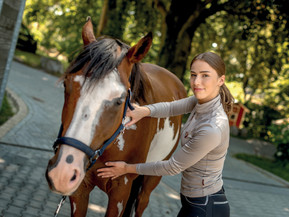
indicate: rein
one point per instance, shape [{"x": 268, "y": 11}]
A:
[{"x": 92, "y": 155}]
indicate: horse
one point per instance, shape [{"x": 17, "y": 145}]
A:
[{"x": 99, "y": 85}]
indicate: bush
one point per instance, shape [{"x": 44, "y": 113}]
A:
[
  {"x": 279, "y": 135},
  {"x": 258, "y": 120},
  {"x": 5, "y": 110}
]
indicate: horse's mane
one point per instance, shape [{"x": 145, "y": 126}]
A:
[{"x": 99, "y": 58}]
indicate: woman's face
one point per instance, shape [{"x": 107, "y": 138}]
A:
[{"x": 205, "y": 81}]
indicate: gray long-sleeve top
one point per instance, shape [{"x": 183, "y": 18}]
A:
[{"x": 204, "y": 144}]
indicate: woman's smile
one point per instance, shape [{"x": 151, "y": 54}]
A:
[{"x": 197, "y": 89}]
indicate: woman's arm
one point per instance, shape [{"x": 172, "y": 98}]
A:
[
  {"x": 174, "y": 108},
  {"x": 189, "y": 154},
  {"x": 162, "y": 109}
]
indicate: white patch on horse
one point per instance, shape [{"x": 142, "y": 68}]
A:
[
  {"x": 80, "y": 79},
  {"x": 125, "y": 180},
  {"x": 163, "y": 142},
  {"x": 120, "y": 207},
  {"x": 89, "y": 105},
  {"x": 120, "y": 141},
  {"x": 132, "y": 127},
  {"x": 74, "y": 207},
  {"x": 128, "y": 119}
]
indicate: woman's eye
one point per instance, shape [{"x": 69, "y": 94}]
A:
[{"x": 193, "y": 75}]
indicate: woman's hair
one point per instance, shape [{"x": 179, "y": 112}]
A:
[{"x": 216, "y": 62}]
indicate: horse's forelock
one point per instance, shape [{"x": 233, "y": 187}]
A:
[{"x": 100, "y": 57}]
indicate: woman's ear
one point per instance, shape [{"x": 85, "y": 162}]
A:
[{"x": 221, "y": 80}]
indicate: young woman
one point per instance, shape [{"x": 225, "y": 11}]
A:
[{"x": 204, "y": 141}]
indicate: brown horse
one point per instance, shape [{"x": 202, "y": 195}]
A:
[{"x": 97, "y": 85}]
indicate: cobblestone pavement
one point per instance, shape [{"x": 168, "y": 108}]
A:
[{"x": 26, "y": 147}]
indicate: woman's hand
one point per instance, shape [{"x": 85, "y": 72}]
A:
[
  {"x": 138, "y": 113},
  {"x": 116, "y": 169}
]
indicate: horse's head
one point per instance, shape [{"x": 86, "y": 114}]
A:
[{"x": 96, "y": 88}]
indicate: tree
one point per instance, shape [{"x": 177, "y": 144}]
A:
[
  {"x": 254, "y": 40},
  {"x": 57, "y": 24},
  {"x": 113, "y": 18},
  {"x": 185, "y": 17}
]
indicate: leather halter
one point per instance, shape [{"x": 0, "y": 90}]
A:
[{"x": 91, "y": 154}]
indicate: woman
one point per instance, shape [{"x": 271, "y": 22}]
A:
[{"x": 204, "y": 140}]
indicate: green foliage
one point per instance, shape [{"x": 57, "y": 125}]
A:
[
  {"x": 277, "y": 95},
  {"x": 254, "y": 44},
  {"x": 5, "y": 111},
  {"x": 57, "y": 24},
  {"x": 27, "y": 58},
  {"x": 277, "y": 168},
  {"x": 259, "y": 119},
  {"x": 279, "y": 135},
  {"x": 255, "y": 50},
  {"x": 144, "y": 17}
]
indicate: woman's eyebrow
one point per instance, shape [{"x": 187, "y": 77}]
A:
[{"x": 201, "y": 71}]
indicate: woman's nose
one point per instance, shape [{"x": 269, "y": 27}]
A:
[{"x": 197, "y": 80}]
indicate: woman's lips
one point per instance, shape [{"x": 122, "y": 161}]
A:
[{"x": 198, "y": 89}]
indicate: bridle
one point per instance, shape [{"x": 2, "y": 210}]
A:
[{"x": 91, "y": 154}]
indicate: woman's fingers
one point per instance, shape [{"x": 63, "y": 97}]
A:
[
  {"x": 114, "y": 170},
  {"x": 106, "y": 173},
  {"x": 131, "y": 122}
]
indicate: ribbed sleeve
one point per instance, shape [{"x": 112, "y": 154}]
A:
[{"x": 174, "y": 108}]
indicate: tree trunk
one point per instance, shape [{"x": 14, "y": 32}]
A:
[
  {"x": 182, "y": 20},
  {"x": 103, "y": 18},
  {"x": 181, "y": 24},
  {"x": 112, "y": 20}
]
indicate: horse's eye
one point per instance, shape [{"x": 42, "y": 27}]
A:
[{"x": 119, "y": 101}]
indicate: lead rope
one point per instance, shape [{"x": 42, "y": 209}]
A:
[{"x": 62, "y": 201}]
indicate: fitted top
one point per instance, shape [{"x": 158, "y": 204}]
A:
[{"x": 204, "y": 144}]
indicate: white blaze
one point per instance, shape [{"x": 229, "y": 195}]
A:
[
  {"x": 163, "y": 142},
  {"x": 88, "y": 109}
]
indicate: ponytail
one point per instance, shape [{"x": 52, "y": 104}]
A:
[{"x": 227, "y": 99}]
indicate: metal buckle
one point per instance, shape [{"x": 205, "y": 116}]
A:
[{"x": 95, "y": 156}]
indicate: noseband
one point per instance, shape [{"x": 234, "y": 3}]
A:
[{"x": 91, "y": 154}]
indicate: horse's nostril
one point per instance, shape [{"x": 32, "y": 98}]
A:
[{"x": 74, "y": 176}]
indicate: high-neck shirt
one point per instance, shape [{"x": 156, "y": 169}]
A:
[{"x": 204, "y": 144}]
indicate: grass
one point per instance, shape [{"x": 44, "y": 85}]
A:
[
  {"x": 269, "y": 165},
  {"x": 27, "y": 58},
  {"x": 34, "y": 60},
  {"x": 6, "y": 111}
]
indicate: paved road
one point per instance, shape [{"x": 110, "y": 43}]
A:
[{"x": 23, "y": 190}]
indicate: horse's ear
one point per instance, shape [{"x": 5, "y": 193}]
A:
[
  {"x": 87, "y": 32},
  {"x": 138, "y": 51}
]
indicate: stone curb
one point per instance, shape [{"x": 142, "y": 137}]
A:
[{"x": 22, "y": 111}]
